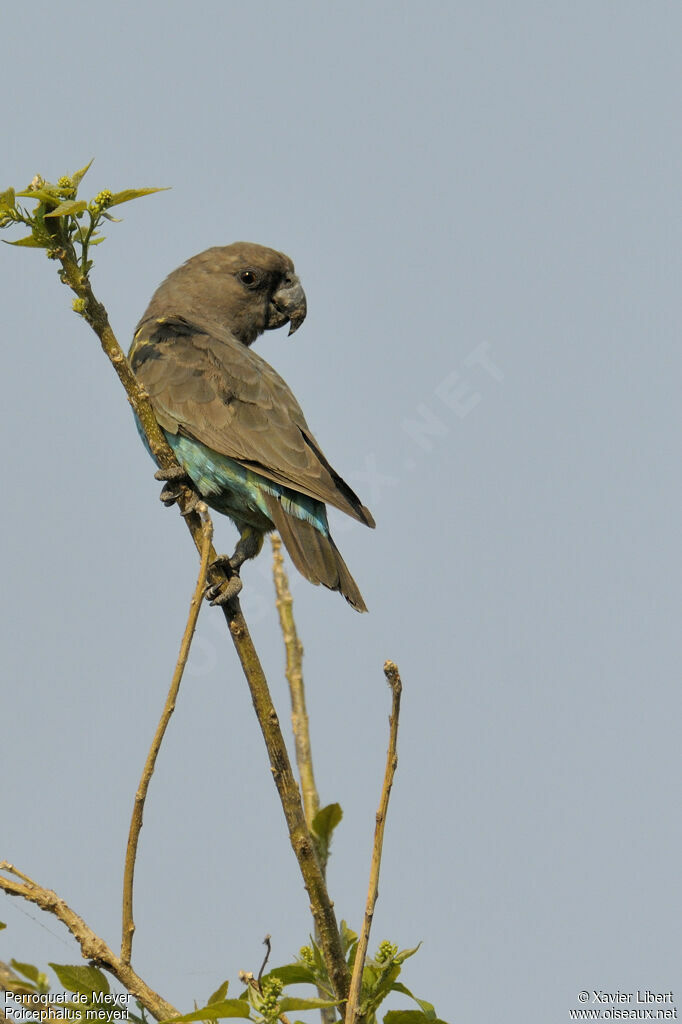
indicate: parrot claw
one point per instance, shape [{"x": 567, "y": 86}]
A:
[
  {"x": 222, "y": 593},
  {"x": 193, "y": 503},
  {"x": 174, "y": 473},
  {"x": 175, "y": 480},
  {"x": 172, "y": 477},
  {"x": 169, "y": 495},
  {"x": 226, "y": 563}
]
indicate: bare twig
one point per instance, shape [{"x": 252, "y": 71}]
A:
[
  {"x": 299, "y": 717},
  {"x": 268, "y": 949},
  {"x": 148, "y": 770},
  {"x": 92, "y": 947},
  {"x": 321, "y": 906},
  {"x": 352, "y": 1007},
  {"x": 294, "y": 674}
]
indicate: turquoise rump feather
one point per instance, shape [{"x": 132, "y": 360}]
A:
[{"x": 238, "y": 492}]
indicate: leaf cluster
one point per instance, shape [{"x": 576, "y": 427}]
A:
[
  {"x": 263, "y": 1001},
  {"x": 60, "y": 222},
  {"x": 268, "y": 999}
]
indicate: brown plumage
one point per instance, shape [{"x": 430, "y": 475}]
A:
[{"x": 233, "y": 422}]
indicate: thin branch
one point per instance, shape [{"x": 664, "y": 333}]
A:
[
  {"x": 321, "y": 906},
  {"x": 299, "y": 717},
  {"x": 352, "y": 1007},
  {"x": 92, "y": 947},
  {"x": 169, "y": 708},
  {"x": 294, "y": 675},
  {"x": 267, "y": 942}
]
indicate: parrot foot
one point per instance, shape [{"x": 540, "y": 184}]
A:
[
  {"x": 248, "y": 546},
  {"x": 222, "y": 593},
  {"x": 192, "y": 505},
  {"x": 175, "y": 479}
]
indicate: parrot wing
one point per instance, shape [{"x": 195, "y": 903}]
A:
[{"x": 204, "y": 383}]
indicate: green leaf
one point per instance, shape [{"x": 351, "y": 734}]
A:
[
  {"x": 30, "y": 242},
  {"x": 81, "y": 979},
  {"x": 7, "y": 200},
  {"x": 49, "y": 194},
  {"x": 215, "y": 1011},
  {"x": 79, "y": 175},
  {"x": 428, "y": 1009},
  {"x": 410, "y": 1017},
  {"x": 289, "y": 974},
  {"x": 377, "y": 983},
  {"x": 19, "y": 986},
  {"x": 326, "y": 820},
  {"x": 349, "y": 944},
  {"x": 352, "y": 953},
  {"x": 370, "y": 977},
  {"x": 28, "y": 970},
  {"x": 321, "y": 967},
  {"x": 219, "y": 993},
  {"x": 348, "y": 936},
  {"x": 69, "y": 208},
  {"x": 404, "y": 954},
  {"x": 292, "y": 974},
  {"x": 134, "y": 193},
  {"x": 2, "y": 925},
  {"x": 323, "y": 825},
  {"x": 304, "y": 1004}
]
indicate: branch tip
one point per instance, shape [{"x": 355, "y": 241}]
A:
[
  {"x": 352, "y": 1011},
  {"x": 268, "y": 949}
]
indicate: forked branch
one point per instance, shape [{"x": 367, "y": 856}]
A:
[{"x": 92, "y": 947}]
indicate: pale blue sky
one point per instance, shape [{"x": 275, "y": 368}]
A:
[{"x": 482, "y": 201}]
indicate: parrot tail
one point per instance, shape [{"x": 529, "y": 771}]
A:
[{"x": 315, "y": 555}]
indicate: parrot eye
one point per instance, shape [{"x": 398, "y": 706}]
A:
[{"x": 248, "y": 277}]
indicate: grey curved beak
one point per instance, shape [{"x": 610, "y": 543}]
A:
[{"x": 288, "y": 305}]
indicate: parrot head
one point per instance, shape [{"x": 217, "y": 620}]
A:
[{"x": 245, "y": 287}]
